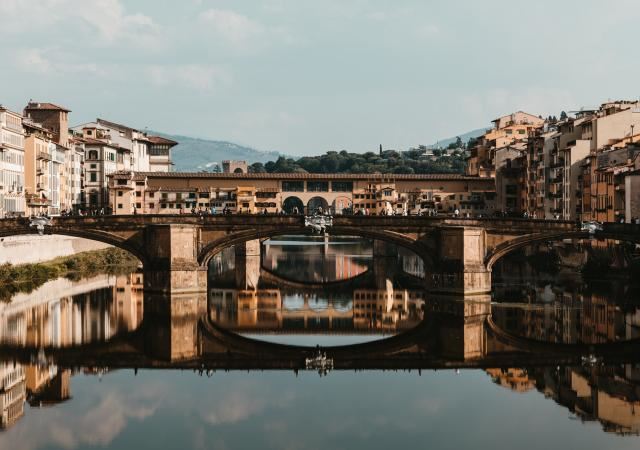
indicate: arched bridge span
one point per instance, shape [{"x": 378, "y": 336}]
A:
[{"x": 461, "y": 250}]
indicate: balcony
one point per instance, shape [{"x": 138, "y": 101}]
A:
[
  {"x": 34, "y": 200},
  {"x": 44, "y": 156},
  {"x": 558, "y": 164}
]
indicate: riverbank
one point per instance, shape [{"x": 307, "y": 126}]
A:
[{"x": 27, "y": 277}]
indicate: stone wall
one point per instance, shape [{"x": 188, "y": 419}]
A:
[{"x": 35, "y": 249}]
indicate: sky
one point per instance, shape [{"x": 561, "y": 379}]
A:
[{"x": 304, "y": 77}]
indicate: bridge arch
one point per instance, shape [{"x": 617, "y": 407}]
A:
[
  {"x": 291, "y": 203},
  {"x": 92, "y": 235},
  {"x": 405, "y": 341},
  {"x": 512, "y": 245},
  {"x": 317, "y": 202},
  {"x": 209, "y": 250}
]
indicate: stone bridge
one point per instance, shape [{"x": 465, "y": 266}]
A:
[
  {"x": 454, "y": 333},
  {"x": 458, "y": 252}
]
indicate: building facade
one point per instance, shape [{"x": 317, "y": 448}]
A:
[
  {"x": 12, "y": 198},
  {"x": 173, "y": 193}
]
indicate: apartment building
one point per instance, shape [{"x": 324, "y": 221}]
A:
[
  {"x": 507, "y": 130},
  {"x": 565, "y": 176},
  {"x": 160, "y": 154},
  {"x": 72, "y": 197},
  {"x": 51, "y": 116},
  {"x": 511, "y": 193},
  {"x": 12, "y": 198},
  {"x": 39, "y": 148}
]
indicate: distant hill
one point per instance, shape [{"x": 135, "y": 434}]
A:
[
  {"x": 465, "y": 137},
  {"x": 195, "y": 155}
]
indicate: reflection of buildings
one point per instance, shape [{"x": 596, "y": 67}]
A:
[
  {"x": 269, "y": 309},
  {"x": 569, "y": 314},
  {"x": 327, "y": 260},
  {"x": 610, "y": 395},
  {"x": 512, "y": 378},
  {"x": 12, "y": 393},
  {"x": 64, "y": 312},
  {"x": 61, "y": 313}
]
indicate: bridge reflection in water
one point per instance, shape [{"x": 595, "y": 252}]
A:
[{"x": 110, "y": 323}]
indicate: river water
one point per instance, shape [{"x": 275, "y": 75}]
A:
[{"x": 88, "y": 364}]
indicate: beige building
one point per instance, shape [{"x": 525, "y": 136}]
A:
[
  {"x": 12, "y": 199},
  {"x": 507, "y": 131},
  {"x": 52, "y": 117},
  {"x": 160, "y": 154},
  {"x": 173, "y": 193},
  {"x": 52, "y": 187},
  {"x": 39, "y": 148}
]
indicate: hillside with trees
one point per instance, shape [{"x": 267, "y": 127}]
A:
[{"x": 420, "y": 160}]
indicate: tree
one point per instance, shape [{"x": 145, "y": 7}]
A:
[
  {"x": 459, "y": 143},
  {"x": 257, "y": 167},
  {"x": 563, "y": 115}
]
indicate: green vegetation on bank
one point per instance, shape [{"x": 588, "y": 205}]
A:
[
  {"x": 28, "y": 277},
  {"x": 421, "y": 161}
]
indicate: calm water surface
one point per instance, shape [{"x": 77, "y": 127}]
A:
[{"x": 316, "y": 293}]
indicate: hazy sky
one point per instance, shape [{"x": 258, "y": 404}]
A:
[{"x": 303, "y": 76}]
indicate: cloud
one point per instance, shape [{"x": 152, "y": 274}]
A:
[
  {"x": 48, "y": 62},
  {"x": 231, "y": 26},
  {"x": 195, "y": 76},
  {"x": 235, "y": 407},
  {"x": 106, "y": 20},
  {"x": 99, "y": 426}
]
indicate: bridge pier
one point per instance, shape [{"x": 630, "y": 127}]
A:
[
  {"x": 172, "y": 265},
  {"x": 247, "y": 264},
  {"x": 171, "y": 324},
  {"x": 461, "y": 324},
  {"x": 460, "y": 269}
]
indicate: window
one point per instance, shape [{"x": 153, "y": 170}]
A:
[
  {"x": 151, "y": 194},
  {"x": 317, "y": 186},
  {"x": 342, "y": 186},
  {"x": 122, "y": 182},
  {"x": 93, "y": 176},
  {"x": 151, "y": 205},
  {"x": 138, "y": 194},
  {"x": 119, "y": 205},
  {"x": 120, "y": 193},
  {"x": 293, "y": 186},
  {"x": 163, "y": 206},
  {"x": 138, "y": 205},
  {"x": 203, "y": 195}
]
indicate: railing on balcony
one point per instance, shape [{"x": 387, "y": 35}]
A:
[{"x": 44, "y": 155}]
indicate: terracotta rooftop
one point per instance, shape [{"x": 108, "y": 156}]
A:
[
  {"x": 38, "y": 105},
  {"x": 92, "y": 141},
  {"x": 310, "y": 176},
  {"x": 161, "y": 140}
]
